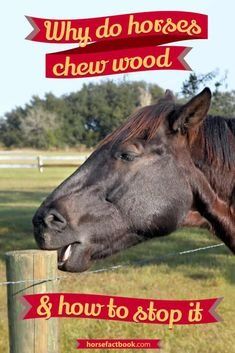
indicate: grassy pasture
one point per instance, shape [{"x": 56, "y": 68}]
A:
[{"x": 193, "y": 276}]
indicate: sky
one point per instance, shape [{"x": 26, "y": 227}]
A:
[{"x": 23, "y": 62}]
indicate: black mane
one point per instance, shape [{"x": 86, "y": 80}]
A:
[{"x": 219, "y": 138}]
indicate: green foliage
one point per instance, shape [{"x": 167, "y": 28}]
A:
[
  {"x": 10, "y": 130},
  {"x": 39, "y": 127},
  {"x": 195, "y": 82},
  {"x": 223, "y": 103},
  {"x": 88, "y": 115},
  {"x": 80, "y": 118}
]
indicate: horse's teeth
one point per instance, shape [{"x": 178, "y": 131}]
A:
[{"x": 67, "y": 253}]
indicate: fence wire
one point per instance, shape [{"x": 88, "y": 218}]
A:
[{"x": 116, "y": 267}]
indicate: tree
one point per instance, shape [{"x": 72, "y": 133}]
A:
[
  {"x": 223, "y": 102},
  {"x": 195, "y": 82},
  {"x": 97, "y": 109},
  {"x": 10, "y": 130},
  {"x": 88, "y": 115},
  {"x": 38, "y": 128}
]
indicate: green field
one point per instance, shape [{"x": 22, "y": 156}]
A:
[{"x": 193, "y": 276}]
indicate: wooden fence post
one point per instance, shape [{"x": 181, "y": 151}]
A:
[
  {"x": 40, "y": 164},
  {"x": 33, "y": 335}
]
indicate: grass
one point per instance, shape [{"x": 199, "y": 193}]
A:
[{"x": 193, "y": 276}]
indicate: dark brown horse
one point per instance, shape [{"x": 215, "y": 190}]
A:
[{"x": 142, "y": 181}]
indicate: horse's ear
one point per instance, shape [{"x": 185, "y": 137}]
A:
[
  {"x": 192, "y": 113},
  {"x": 169, "y": 95}
]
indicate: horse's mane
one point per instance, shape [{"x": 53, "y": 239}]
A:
[
  {"x": 218, "y": 140},
  {"x": 143, "y": 123},
  {"x": 216, "y": 132}
]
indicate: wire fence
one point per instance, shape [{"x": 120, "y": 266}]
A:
[{"x": 116, "y": 267}]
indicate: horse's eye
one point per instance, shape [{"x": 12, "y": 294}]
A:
[{"x": 126, "y": 156}]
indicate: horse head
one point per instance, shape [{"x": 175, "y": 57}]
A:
[{"x": 134, "y": 186}]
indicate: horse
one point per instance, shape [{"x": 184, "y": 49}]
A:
[{"x": 141, "y": 182}]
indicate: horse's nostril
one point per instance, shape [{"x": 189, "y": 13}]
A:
[{"x": 54, "y": 220}]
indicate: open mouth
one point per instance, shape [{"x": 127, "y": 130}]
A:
[
  {"x": 74, "y": 257},
  {"x": 64, "y": 254}
]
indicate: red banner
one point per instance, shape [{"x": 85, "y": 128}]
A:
[
  {"x": 78, "y": 63},
  {"x": 118, "y": 344},
  {"x": 118, "y": 44},
  {"x": 138, "y": 310},
  {"x": 182, "y": 25}
]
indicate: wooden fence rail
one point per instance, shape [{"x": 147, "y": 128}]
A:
[{"x": 41, "y": 162}]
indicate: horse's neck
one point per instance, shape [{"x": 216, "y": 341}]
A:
[
  {"x": 214, "y": 170},
  {"x": 218, "y": 212}
]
